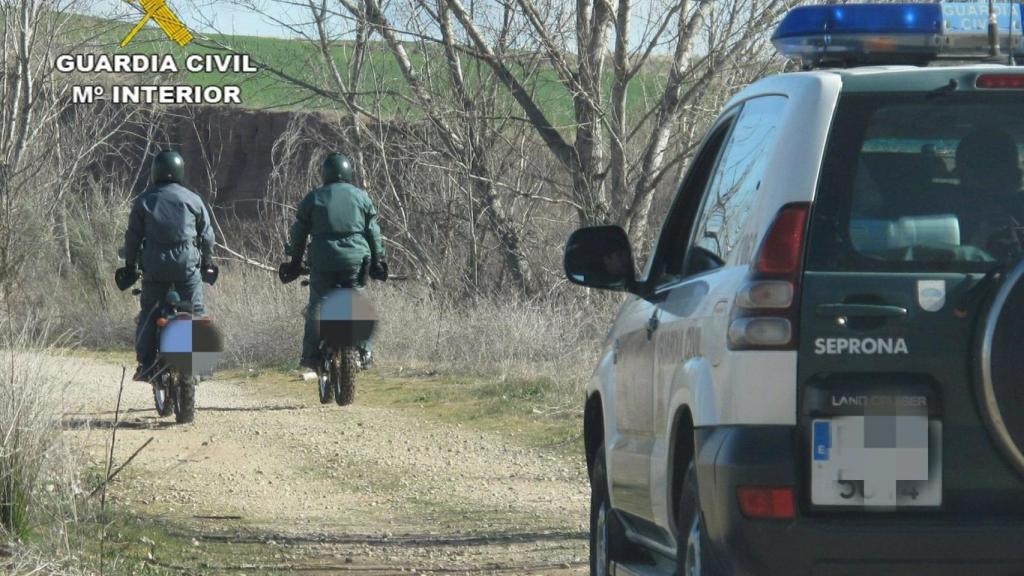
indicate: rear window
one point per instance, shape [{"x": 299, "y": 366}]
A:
[{"x": 919, "y": 182}]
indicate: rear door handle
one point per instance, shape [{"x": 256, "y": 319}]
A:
[{"x": 861, "y": 310}]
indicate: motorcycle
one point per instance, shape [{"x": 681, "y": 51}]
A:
[
  {"x": 341, "y": 358},
  {"x": 185, "y": 343},
  {"x": 174, "y": 389}
]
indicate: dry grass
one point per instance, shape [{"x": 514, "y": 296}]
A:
[
  {"x": 38, "y": 471},
  {"x": 555, "y": 338}
]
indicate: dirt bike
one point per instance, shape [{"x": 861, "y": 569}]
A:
[
  {"x": 336, "y": 374},
  {"x": 173, "y": 375},
  {"x": 340, "y": 358},
  {"x": 173, "y": 389}
]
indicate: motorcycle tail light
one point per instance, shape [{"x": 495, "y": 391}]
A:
[{"x": 161, "y": 322}]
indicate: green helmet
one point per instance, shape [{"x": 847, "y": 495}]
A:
[
  {"x": 336, "y": 168},
  {"x": 168, "y": 166}
]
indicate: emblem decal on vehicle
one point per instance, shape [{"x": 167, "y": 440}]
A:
[
  {"x": 931, "y": 294},
  {"x": 838, "y": 346}
]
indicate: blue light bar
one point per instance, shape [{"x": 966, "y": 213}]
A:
[
  {"x": 861, "y": 19},
  {"x": 854, "y": 34}
]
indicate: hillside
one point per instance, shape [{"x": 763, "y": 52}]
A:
[{"x": 383, "y": 87}]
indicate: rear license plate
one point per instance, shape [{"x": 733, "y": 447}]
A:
[{"x": 876, "y": 461}]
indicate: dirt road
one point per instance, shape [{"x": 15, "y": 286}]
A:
[{"x": 275, "y": 482}]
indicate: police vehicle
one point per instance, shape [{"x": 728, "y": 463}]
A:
[{"x": 818, "y": 370}]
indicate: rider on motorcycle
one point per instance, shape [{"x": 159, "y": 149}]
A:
[
  {"x": 170, "y": 235},
  {"x": 346, "y": 245}
]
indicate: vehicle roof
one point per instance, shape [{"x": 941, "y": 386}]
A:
[
  {"x": 873, "y": 79},
  {"x": 912, "y": 78}
]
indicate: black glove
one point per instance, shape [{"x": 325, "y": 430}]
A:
[
  {"x": 209, "y": 273},
  {"x": 289, "y": 271},
  {"x": 379, "y": 270},
  {"x": 126, "y": 276}
]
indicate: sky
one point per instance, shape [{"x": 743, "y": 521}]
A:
[{"x": 230, "y": 17}]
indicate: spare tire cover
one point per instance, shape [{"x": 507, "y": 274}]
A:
[{"x": 1001, "y": 383}]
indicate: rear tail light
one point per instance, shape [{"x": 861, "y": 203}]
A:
[
  {"x": 782, "y": 248},
  {"x": 765, "y": 312},
  {"x": 764, "y": 332},
  {"x": 1000, "y": 82},
  {"x": 765, "y": 294},
  {"x": 161, "y": 322},
  {"x": 766, "y": 503}
]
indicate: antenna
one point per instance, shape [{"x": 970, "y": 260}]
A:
[
  {"x": 1009, "y": 38},
  {"x": 1020, "y": 5},
  {"x": 993, "y": 30}
]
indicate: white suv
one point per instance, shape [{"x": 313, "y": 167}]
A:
[{"x": 818, "y": 370}]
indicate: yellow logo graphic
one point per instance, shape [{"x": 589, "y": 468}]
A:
[{"x": 165, "y": 18}]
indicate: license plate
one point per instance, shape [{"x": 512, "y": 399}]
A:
[{"x": 876, "y": 461}]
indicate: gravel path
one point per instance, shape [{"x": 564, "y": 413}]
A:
[{"x": 329, "y": 489}]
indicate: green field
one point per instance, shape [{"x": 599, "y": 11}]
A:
[{"x": 384, "y": 90}]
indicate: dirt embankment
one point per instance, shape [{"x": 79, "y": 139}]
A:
[
  {"x": 277, "y": 482},
  {"x": 233, "y": 147}
]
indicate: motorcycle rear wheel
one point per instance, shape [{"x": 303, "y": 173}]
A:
[
  {"x": 163, "y": 400},
  {"x": 325, "y": 385}
]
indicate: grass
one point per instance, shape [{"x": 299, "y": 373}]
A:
[
  {"x": 40, "y": 483},
  {"x": 29, "y": 431},
  {"x": 517, "y": 409},
  {"x": 144, "y": 545},
  {"x": 520, "y": 410}
]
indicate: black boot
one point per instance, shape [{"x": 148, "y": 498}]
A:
[{"x": 143, "y": 373}]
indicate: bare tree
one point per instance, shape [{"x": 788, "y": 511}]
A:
[
  {"x": 714, "y": 47},
  {"x": 480, "y": 108},
  {"x": 46, "y": 144}
]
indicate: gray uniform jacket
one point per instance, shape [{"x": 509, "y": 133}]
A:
[{"x": 170, "y": 226}]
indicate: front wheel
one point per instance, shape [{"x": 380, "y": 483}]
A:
[
  {"x": 185, "y": 400},
  {"x": 344, "y": 365}
]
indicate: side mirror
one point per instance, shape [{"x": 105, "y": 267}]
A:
[{"x": 600, "y": 257}]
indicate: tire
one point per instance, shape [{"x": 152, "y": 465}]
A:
[
  {"x": 325, "y": 387},
  {"x": 185, "y": 400},
  {"x": 693, "y": 555},
  {"x": 997, "y": 385},
  {"x": 344, "y": 365},
  {"x": 163, "y": 400},
  {"x": 607, "y": 537}
]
